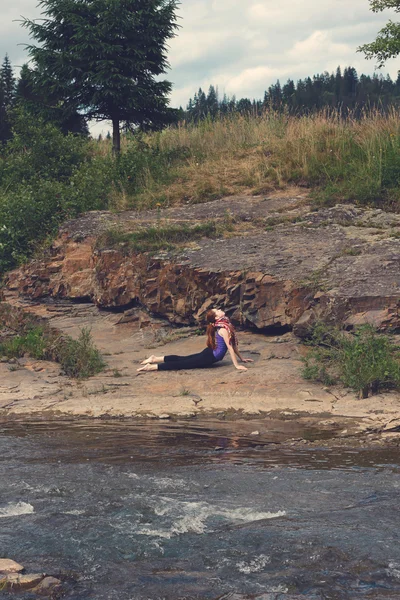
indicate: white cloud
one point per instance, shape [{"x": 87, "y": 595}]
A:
[
  {"x": 319, "y": 43},
  {"x": 250, "y": 79}
]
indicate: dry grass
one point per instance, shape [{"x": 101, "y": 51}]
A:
[{"x": 352, "y": 159}]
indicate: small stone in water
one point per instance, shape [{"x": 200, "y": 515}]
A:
[
  {"x": 164, "y": 416},
  {"x": 47, "y": 586},
  {"x": 255, "y": 433}
]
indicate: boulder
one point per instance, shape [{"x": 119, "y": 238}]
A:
[
  {"x": 10, "y": 566},
  {"x": 47, "y": 586}
]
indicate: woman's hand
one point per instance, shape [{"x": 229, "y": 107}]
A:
[
  {"x": 247, "y": 360},
  {"x": 240, "y": 368}
]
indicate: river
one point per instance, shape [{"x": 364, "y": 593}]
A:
[{"x": 192, "y": 510}]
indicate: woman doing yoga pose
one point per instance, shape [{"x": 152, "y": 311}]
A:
[{"x": 221, "y": 337}]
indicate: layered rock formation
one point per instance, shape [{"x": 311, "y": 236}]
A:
[{"x": 276, "y": 269}]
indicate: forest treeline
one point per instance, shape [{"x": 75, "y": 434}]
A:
[{"x": 345, "y": 92}]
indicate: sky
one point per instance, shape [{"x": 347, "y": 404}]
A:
[{"x": 243, "y": 46}]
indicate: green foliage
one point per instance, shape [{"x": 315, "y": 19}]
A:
[
  {"x": 40, "y": 151},
  {"x": 351, "y": 168},
  {"x": 7, "y": 80},
  {"x": 155, "y": 238},
  {"x": 32, "y": 342},
  {"x": 122, "y": 45},
  {"x": 7, "y": 95},
  {"x": 387, "y": 43},
  {"x": 364, "y": 361},
  {"x": 141, "y": 164},
  {"x": 79, "y": 358},
  {"x": 47, "y": 105},
  {"x": 45, "y": 178},
  {"x": 345, "y": 92}
]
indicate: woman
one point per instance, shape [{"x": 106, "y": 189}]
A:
[{"x": 221, "y": 337}]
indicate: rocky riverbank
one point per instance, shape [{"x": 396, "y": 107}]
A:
[
  {"x": 14, "y": 578},
  {"x": 278, "y": 266}
]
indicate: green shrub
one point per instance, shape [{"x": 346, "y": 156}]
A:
[
  {"x": 45, "y": 178},
  {"x": 35, "y": 337},
  {"x": 364, "y": 361},
  {"x": 142, "y": 167},
  {"x": 79, "y": 358},
  {"x": 37, "y": 151},
  {"x": 32, "y": 343}
]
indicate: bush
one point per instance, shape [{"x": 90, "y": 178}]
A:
[
  {"x": 143, "y": 167},
  {"x": 79, "y": 358},
  {"x": 37, "y": 151},
  {"x": 32, "y": 343},
  {"x": 364, "y": 361},
  {"x": 45, "y": 178}
]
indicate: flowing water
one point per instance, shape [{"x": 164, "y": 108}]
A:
[{"x": 154, "y": 511}]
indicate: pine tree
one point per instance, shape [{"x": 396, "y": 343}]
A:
[
  {"x": 7, "y": 82},
  {"x": 275, "y": 96},
  {"x": 199, "y": 106},
  {"x": 30, "y": 96},
  {"x": 350, "y": 81},
  {"x": 338, "y": 85},
  {"x": 105, "y": 57},
  {"x": 212, "y": 102},
  {"x": 7, "y": 94},
  {"x": 24, "y": 86},
  {"x": 289, "y": 93},
  {"x": 244, "y": 106},
  {"x": 5, "y": 129}
]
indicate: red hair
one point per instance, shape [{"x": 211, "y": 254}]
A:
[{"x": 210, "y": 319}]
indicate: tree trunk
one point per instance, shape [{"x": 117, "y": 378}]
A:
[{"x": 116, "y": 137}]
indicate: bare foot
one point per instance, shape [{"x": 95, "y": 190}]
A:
[
  {"x": 148, "y": 361},
  {"x": 147, "y": 367}
]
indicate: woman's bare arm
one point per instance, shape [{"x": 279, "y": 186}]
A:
[
  {"x": 245, "y": 360},
  {"x": 225, "y": 335}
]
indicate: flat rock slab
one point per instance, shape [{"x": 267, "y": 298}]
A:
[{"x": 242, "y": 208}]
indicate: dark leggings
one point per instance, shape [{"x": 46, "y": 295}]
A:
[{"x": 193, "y": 361}]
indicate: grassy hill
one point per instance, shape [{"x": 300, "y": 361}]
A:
[{"x": 47, "y": 178}]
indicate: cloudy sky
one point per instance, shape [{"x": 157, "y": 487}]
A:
[{"x": 242, "y": 46}]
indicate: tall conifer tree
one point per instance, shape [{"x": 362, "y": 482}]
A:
[
  {"x": 104, "y": 57},
  {"x": 7, "y": 95},
  {"x": 8, "y": 82}
]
